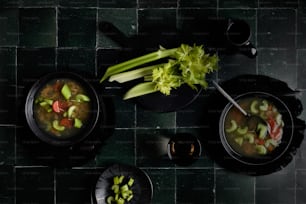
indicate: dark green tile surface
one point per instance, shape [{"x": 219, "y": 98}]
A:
[
  {"x": 280, "y": 63},
  {"x": 157, "y": 3},
  {"x": 195, "y": 185},
  {"x": 7, "y": 183},
  {"x": 301, "y": 68},
  {"x": 276, "y": 28},
  {"x": 9, "y": 27},
  {"x": 198, "y": 3},
  {"x": 238, "y": 4},
  {"x": 37, "y": 27},
  {"x": 117, "y": 3},
  {"x": 78, "y": 3},
  {"x": 76, "y": 185},
  {"x": 77, "y": 27},
  {"x": 38, "y": 181},
  {"x": 80, "y": 60},
  {"x": 284, "y": 181},
  {"x": 122, "y": 19},
  {"x": 278, "y": 4},
  {"x": 7, "y": 145},
  {"x": 234, "y": 188},
  {"x": 163, "y": 181},
  {"x": 301, "y": 186},
  {"x": 301, "y": 28},
  {"x": 42, "y": 36},
  {"x": 119, "y": 148}
]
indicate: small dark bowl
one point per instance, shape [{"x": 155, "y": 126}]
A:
[
  {"x": 51, "y": 139},
  {"x": 287, "y": 136}
]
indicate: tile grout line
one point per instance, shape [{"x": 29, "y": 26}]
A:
[
  {"x": 16, "y": 97},
  {"x": 215, "y": 184},
  {"x": 97, "y": 41},
  {"x": 56, "y": 38},
  {"x": 256, "y": 27},
  {"x": 296, "y": 45},
  {"x": 254, "y": 190}
]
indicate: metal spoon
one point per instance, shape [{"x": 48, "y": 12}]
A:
[{"x": 248, "y": 115}]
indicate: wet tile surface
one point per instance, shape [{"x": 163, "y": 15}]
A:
[{"x": 38, "y": 37}]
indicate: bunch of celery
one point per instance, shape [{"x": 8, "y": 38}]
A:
[{"x": 186, "y": 65}]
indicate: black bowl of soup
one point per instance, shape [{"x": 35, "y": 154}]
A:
[
  {"x": 62, "y": 108},
  {"x": 256, "y": 142}
]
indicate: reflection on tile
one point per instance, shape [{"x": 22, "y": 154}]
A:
[
  {"x": 194, "y": 185},
  {"x": 276, "y": 28},
  {"x": 163, "y": 181},
  {"x": 238, "y": 3},
  {"x": 300, "y": 186},
  {"x": 151, "y": 147},
  {"x": 37, "y": 27},
  {"x": 123, "y": 22},
  {"x": 7, "y": 145},
  {"x": 38, "y": 181},
  {"x": 77, "y": 27},
  {"x": 117, "y": 3},
  {"x": 9, "y": 27},
  {"x": 282, "y": 181},
  {"x": 280, "y": 64},
  {"x": 119, "y": 148},
  {"x": 233, "y": 188},
  {"x": 76, "y": 185},
  {"x": 7, "y": 185},
  {"x": 79, "y": 60}
]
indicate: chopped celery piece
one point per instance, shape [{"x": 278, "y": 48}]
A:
[
  {"x": 49, "y": 101},
  {"x": 239, "y": 140},
  {"x": 263, "y": 130},
  {"x": 121, "y": 179},
  {"x": 57, "y": 126},
  {"x": 70, "y": 111},
  {"x": 77, "y": 123},
  {"x": 140, "y": 89},
  {"x": 264, "y": 106},
  {"x": 82, "y": 98},
  {"x": 66, "y": 92},
  {"x": 44, "y": 103},
  {"x": 124, "y": 188},
  {"x": 253, "y": 108},
  {"x": 115, "y": 188},
  {"x": 261, "y": 149},
  {"x": 116, "y": 180},
  {"x": 120, "y": 201},
  {"x": 110, "y": 199},
  {"x": 249, "y": 137},
  {"x": 130, "y": 198},
  {"x": 233, "y": 127},
  {"x": 131, "y": 182},
  {"x": 271, "y": 142},
  {"x": 242, "y": 130}
]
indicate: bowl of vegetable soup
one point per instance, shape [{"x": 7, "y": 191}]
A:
[
  {"x": 256, "y": 142},
  {"x": 62, "y": 108}
]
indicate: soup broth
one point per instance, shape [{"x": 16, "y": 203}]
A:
[
  {"x": 253, "y": 138},
  {"x": 62, "y": 108}
]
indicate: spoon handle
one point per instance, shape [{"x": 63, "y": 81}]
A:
[{"x": 221, "y": 90}]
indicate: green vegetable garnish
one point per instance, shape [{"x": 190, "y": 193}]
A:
[
  {"x": 82, "y": 98},
  {"x": 57, "y": 126},
  {"x": 70, "y": 111},
  {"x": 121, "y": 190},
  {"x": 186, "y": 65},
  {"x": 66, "y": 92},
  {"x": 77, "y": 123}
]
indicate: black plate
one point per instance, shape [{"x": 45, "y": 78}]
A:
[
  {"x": 179, "y": 98},
  {"x": 142, "y": 188}
]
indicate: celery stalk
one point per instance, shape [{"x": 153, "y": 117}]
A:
[
  {"x": 131, "y": 75},
  {"x": 132, "y": 63},
  {"x": 140, "y": 89}
]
